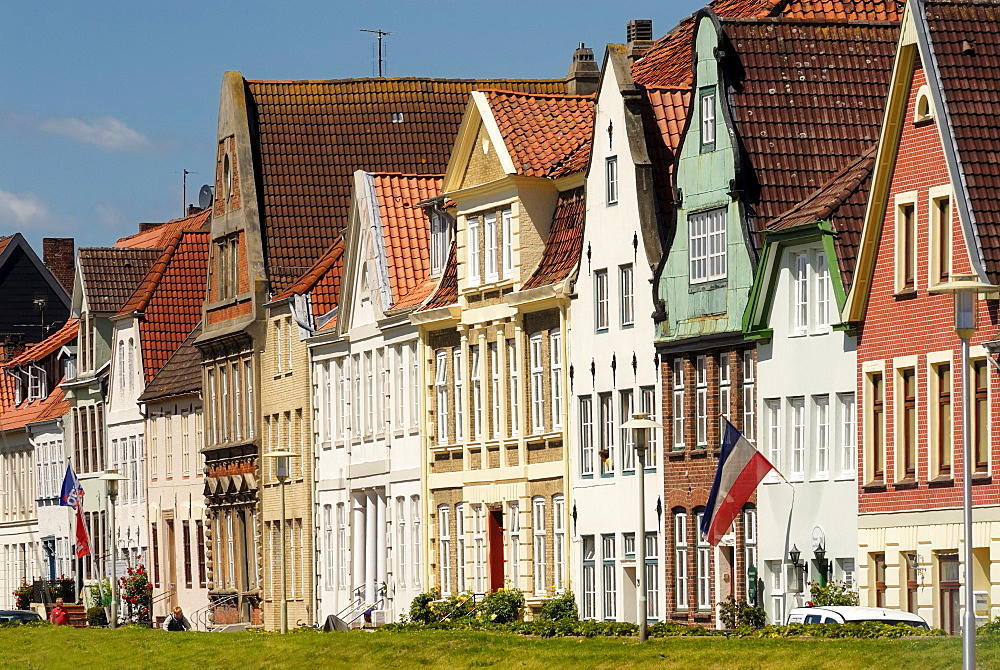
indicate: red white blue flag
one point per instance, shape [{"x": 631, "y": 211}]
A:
[
  {"x": 72, "y": 490},
  {"x": 741, "y": 467},
  {"x": 82, "y": 544}
]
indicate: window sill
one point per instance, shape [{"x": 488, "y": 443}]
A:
[
  {"x": 707, "y": 285},
  {"x": 906, "y": 484},
  {"x": 874, "y": 487},
  {"x": 981, "y": 478},
  {"x": 845, "y": 477},
  {"x": 905, "y": 294},
  {"x": 587, "y": 476},
  {"x": 820, "y": 478},
  {"x": 941, "y": 481},
  {"x": 627, "y": 326}
]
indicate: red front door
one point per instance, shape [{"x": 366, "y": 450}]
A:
[{"x": 496, "y": 549}]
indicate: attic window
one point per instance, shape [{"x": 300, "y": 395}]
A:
[
  {"x": 227, "y": 176},
  {"x": 397, "y": 117},
  {"x": 922, "y": 110},
  {"x": 36, "y": 382}
]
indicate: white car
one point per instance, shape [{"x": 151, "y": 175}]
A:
[{"x": 846, "y": 614}]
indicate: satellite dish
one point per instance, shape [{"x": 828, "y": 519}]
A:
[{"x": 205, "y": 197}]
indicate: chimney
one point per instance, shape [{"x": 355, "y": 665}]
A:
[
  {"x": 584, "y": 76},
  {"x": 194, "y": 209},
  {"x": 144, "y": 226},
  {"x": 58, "y": 256},
  {"x": 639, "y": 37}
]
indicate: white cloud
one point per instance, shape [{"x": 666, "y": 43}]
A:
[
  {"x": 107, "y": 133},
  {"x": 25, "y": 209}
]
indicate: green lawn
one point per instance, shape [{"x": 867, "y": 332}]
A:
[{"x": 45, "y": 648}]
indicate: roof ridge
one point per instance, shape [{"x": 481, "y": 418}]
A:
[
  {"x": 807, "y": 20},
  {"x": 408, "y": 175},
  {"x": 394, "y": 79},
  {"x": 523, "y": 94}
]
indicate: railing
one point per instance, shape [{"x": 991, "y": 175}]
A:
[
  {"x": 477, "y": 600},
  {"x": 204, "y": 617}
]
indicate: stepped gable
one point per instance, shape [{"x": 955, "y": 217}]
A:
[
  {"x": 181, "y": 374},
  {"x": 170, "y": 297},
  {"x": 842, "y": 202},
  {"x": 564, "y": 241},
  {"x": 111, "y": 275},
  {"x": 965, "y": 37},
  {"x": 311, "y": 136}
]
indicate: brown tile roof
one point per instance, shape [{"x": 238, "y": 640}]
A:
[
  {"x": 111, "y": 275},
  {"x": 405, "y": 228},
  {"x": 801, "y": 120},
  {"x": 564, "y": 241},
  {"x": 446, "y": 292},
  {"x": 51, "y": 344},
  {"x": 668, "y": 61},
  {"x": 841, "y": 201},
  {"x": 321, "y": 281},
  {"x": 180, "y": 374},
  {"x": 313, "y": 136},
  {"x": 156, "y": 238},
  {"x": 546, "y": 135},
  {"x": 170, "y": 297},
  {"x": 966, "y": 42}
]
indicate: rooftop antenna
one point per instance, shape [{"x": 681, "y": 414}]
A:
[
  {"x": 184, "y": 209},
  {"x": 380, "y": 34}
]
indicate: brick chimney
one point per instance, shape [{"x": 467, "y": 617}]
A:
[
  {"x": 59, "y": 257},
  {"x": 639, "y": 38},
  {"x": 584, "y": 75}
]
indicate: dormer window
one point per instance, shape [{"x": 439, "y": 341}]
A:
[
  {"x": 922, "y": 110},
  {"x": 37, "y": 379},
  {"x": 397, "y": 117},
  {"x": 440, "y": 242}
]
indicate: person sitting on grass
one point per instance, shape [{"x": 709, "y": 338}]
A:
[
  {"x": 59, "y": 616},
  {"x": 177, "y": 620}
]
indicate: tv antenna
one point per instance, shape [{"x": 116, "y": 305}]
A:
[
  {"x": 380, "y": 34},
  {"x": 184, "y": 211}
]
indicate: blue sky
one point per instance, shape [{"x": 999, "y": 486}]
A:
[{"x": 103, "y": 104}]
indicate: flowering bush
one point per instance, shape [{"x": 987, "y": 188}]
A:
[
  {"x": 22, "y": 595},
  {"x": 560, "y": 607},
  {"x": 834, "y": 593},
  {"x": 420, "y": 607},
  {"x": 136, "y": 593}
]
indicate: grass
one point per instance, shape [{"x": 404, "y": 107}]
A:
[{"x": 44, "y": 648}]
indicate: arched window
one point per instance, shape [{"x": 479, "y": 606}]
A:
[{"x": 923, "y": 111}]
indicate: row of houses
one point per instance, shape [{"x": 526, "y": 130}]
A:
[{"x": 447, "y": 296}]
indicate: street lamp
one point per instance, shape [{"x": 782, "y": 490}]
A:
[
  {"x": 965, "y": 290},
  {"x": 111, "y": 478},
  {"x": 640, "y": 425},
  {"x": 281, "y": 472}
]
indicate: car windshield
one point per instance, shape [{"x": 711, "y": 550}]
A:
[{"x": 7, "y": 617}]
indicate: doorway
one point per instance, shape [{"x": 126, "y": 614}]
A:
[
  {"x": 951, "y": 608},
  {"x": 495, "y": 540}
]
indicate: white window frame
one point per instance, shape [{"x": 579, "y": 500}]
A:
[
  {"x": 538, "y": 553},
  {"x": 513, "y": 389},
  {"x": 611, "y": 180},
  {"x": 707, "y": 249},
  {"x": 460, "y": 546},
  {"x": 678, "y": 403},
  {"x": 707, "y": 118},
  {"x": 824, "y": 288},
  {"x": 821, "y": 424},
  {"x": 749, "y": 400},
  {"x": 848, "y": 423},
  {"x": 400, "y": 548},
  {"x": 458, "y": 372},
  {"x": 514, "y": 544},
  {"x": 444, "y": 549},
  {"x": 601, "y": 306},
  {"x": 586, "y": 406},
  {"x": 800, "y": 293},
  {"x": 479, "y": 547},
  {"x": 441, "y": 383},
  {"x": 626, "y": 400},
  {"x": 473, "y": 251},
  {"x": 475, "y": 377},
  {"x": 495, "y": 394},
  {"x": 606, "y": 419},
  {"x": 648, "y": 395},
  {"x": 704, "y": 565},
  {"x": 558, "y": 542},
  {"x": 772, "y": 406},
  {"x": 555, "y": 377},
  {"x": 537, "y": 383},
  {"x": 701, "y": 401},
  {"x": 626, "y": 295},
  {"x": 416, "y": 539},
  {"x": 507, "y": 219},
  {"x": 681, "y": 575},
  {"x": 609, "y": 577},
  {"x": 588, "y": 604},
  {"x": 797, "y": 435},
  {"x": 490, "y": 233},
  {"x": 440, "y": 242}
]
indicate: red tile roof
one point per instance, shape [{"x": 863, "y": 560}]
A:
[
  {"x": 48, "y": 346},
  {"x": 156, "y": 238},
  {"x": 181, "y": 373},
  {"x": 322, "y": 281},
  {"x": 111, "y": 275},
  {"x": 564, "y": 241},
  {"x": 668, "y": 62},
  {"x": 802, "y": 120},
  {"x": 446, "y": 292},
  {"x": 170, "y": 298},
  {"x": 965, "y": 37},
  {"x": 546, "y": 135},
  {"x": 313, "y": 136},
  {"x": 842, "y": 202},
  {"x": 55, "y": 404},
  {"x": 405, "y": 228}
]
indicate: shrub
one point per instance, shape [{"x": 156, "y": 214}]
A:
[
  {"x": 990, "y": 628},
  {"x": 136, "y": 594},
  {"x": 834, "y": 593},
  {"x": 420, "y": 607},
  {"x": 22, "y": 596},
  {"x": 560, "y": 608},
  {"x": 861, "y": 630},
  {"x": 455, "y": 606},
  {"x": 502, "y": 606},
  {"x": 96, "y": 616},
  {"x": 741, "y": 614}
]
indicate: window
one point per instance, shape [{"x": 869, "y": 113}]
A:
[
  {"x": 342, "y": 404},
  {"x": 981, "y": 414},
  {"x": 558, "y": 542},
  {"x": 589, "y": 603},
  {"x": 878, "y": 561},
  {"x": 440, "y": 242},
  {"x": 537, "y": 384},
  {"x": 941, "y": 419},
  {"x": 704, "y": 567},
  {"x": 922, "y": 110},
  {"x": 707, "y": 119},
  {"x": 906, "y": 238},
  {"x": 628, "y": 545},
  {"x": 608, "y": 577},
  {"x": 330, "y": 570},
  {"x": 356, "y": 396},
  {"x": 472, "y": 245},
  {"x": 607, "y": 444},
  {"x": 400, "y": 390},
  {"x": 460, "y": 546},
  {"x": 823, "y": 288},
  {"x": 479, "y": 544},
  {"x": 678, "y": 403},
  {"x": 611, "y": 179},
  {"x": 848, "y": 432},
  {"x": 369, "y": 394},
  {"x": 200, "y": 537},
  {"x": 749, "y": 398},
  {"x": 121, "y": 367},
  {"x": 701, "y": 401},
  {"x": 798, "y": 429},
  {"x": 538, "y": 523},
  {"x": 821, "y": 422},
  {"x": 627, "y": 441},
  {"x": 36, "y": 382},
  {"x": 601, "y": 299},
  {"x": 414, "y": 386},
  {"x": 400, "y": 545},
  {"x": 772, "y": 407},
  {"x": 626, "y": 296},
  {"x": 514, "y": 545},
  {"x": 490, "y": 231},
  {"x": 512, "y": 388},
  {"x": 555, "y": 382},
  {"x": 444, "y": 548},
  {"x": 707, "y": 246},
  {"x": 508, "y": 243},
  {"x": 416, "y": 539},
  {"x": 652, "y": 576},
  {"x": 459, "y": 395},
  {"x": 649, "y": 407},
  {"x": 725, "y": 384},
  {"x": 749, "y": 546},
  {"x": 906, "y": 413},
  {"x": 475, "y": 377},
  {"x": 800, "y": 313},
  {"x": 586, "y": 435},
  {"x": 680, "y": 561},
  {"x": 940, "y": 239},
  {"x": 876, "y": 394},
  {"x": 441, "y": 382}
]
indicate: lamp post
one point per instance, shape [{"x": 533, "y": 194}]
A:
[
  {"x": 965, "y": 290},
  {"x": 111, "y": 478},
  {"x": 793, "y": 556},
  {"x": 640, "y": 425},
  {"x": 281, "y": 473}
]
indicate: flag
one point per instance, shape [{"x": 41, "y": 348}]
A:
[
  {"x": 72, "y": 490},
  {"x": 741, "y": 467},
  {"x": 82, "y": 538}
]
